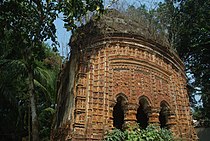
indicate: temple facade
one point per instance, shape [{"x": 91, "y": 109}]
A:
[{"x": 118, "y": 78}]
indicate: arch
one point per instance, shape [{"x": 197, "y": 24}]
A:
[
  {"x": 118, "y": 111},
  {"x": 142, "y": 112},
  {"x": 165, "y": 103},
  {"x": 144, "y": 100},
  {"x": 125, "y": 98},
  {"x": 164, "y": 114}
]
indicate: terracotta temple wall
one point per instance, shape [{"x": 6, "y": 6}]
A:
[{"x": 130, "y": 67}]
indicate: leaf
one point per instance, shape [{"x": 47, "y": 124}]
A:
[
  {"x": 49, "y": 109},
  {"x": 97, "y": 8}
]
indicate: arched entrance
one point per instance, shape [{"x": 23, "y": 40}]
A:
[
  {"x": 118, "y": 113},
  {"x": 163, "y": 115},
  {"x": 142, "y": 114}
]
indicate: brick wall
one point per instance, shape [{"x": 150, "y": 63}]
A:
[{"x": 133, "y": 68}]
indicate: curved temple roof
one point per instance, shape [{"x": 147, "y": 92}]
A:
[{"x": 113, "y": 22}]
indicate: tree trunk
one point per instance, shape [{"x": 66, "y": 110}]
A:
[
  {"x": 35, "y": 130},
  {"x": 29, "y": 123}
]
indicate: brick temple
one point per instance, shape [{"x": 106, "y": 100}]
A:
[{"x": 118, "y": 76}]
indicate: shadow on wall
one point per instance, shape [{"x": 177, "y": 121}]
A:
[{"x": 203, "y": 134}]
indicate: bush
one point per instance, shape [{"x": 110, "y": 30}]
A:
[{"x": 151, "y": 133}]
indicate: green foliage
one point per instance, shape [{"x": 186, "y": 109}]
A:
[
  {"x": 14, "y": 106},
  {"x": 46, "y": 74},
  {"x": 151, "y": 133},
  {"x": 192, "y": 43},
  {"x": 186, "y": 26},
  {"x": 74, "y": 11},
  {"x": 115, "y": 135},
  {"x": 28, "y": 68},
  {"x": 158, "y": 23}
]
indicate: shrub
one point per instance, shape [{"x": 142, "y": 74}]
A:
[{"x": 151, "y": 133}]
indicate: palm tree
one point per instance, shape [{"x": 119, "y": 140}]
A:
[{"x": 20, "y": 88}]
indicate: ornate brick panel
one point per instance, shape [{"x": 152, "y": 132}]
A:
[{"x": 131, "y": 67}]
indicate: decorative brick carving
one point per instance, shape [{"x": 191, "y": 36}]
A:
[{"x": 131, "y": 66}]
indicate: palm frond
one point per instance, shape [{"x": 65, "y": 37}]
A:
[
  {"x": 43, "y": 75},
  {"x": 11, "y": 76},
  {"x": 50, "y": 110},
  {"x": 45, "y": 80},
  {"x": 13, "y": 67},
  {"x": 42, "y": 87}
]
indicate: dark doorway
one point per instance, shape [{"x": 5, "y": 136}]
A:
[
  {"x": 142, "y": 118},
  {"x": 118, "y": 114},
  {"x": 163, "y": 115}
]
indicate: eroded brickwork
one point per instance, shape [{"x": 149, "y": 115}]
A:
[{"x": 141, "y": 72}]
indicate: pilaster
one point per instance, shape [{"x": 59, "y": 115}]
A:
[
  {"x": 153, "y": 114},
  {"x": 130, "y": 115}
]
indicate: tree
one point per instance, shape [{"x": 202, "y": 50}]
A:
[
  {"x": 156, "y": 22},
  {"x": 25, "y": 25},
  {"x": 14, "y": 95},
  {"x": 13, "y": 104},
  {"x": 185, "y": 24},
  {"x": 46, "y": 88},
  {"x": 193, "y": 46},
  {"x": 75, "y": 11}
]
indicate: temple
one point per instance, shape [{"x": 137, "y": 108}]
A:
[{"x": 118, "y": 76}]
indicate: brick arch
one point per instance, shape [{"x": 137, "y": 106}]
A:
[
  {"x": 144, "y": 100},
  {"x": 125, "y": 98},
  {"x": 143, "y": 111},
  {"x": 165, "y": 103},
  {"x": 119, "y": 110},
  {"x": 164, "y": 114},
  {"x": 168, "y": 101},
  {"x": 170, "y": 109}
]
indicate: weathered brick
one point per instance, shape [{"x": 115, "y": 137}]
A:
[{"x": 140, "y": 71}]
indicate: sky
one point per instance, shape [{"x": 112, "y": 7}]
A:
[{"x": 64, "y": 35}]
